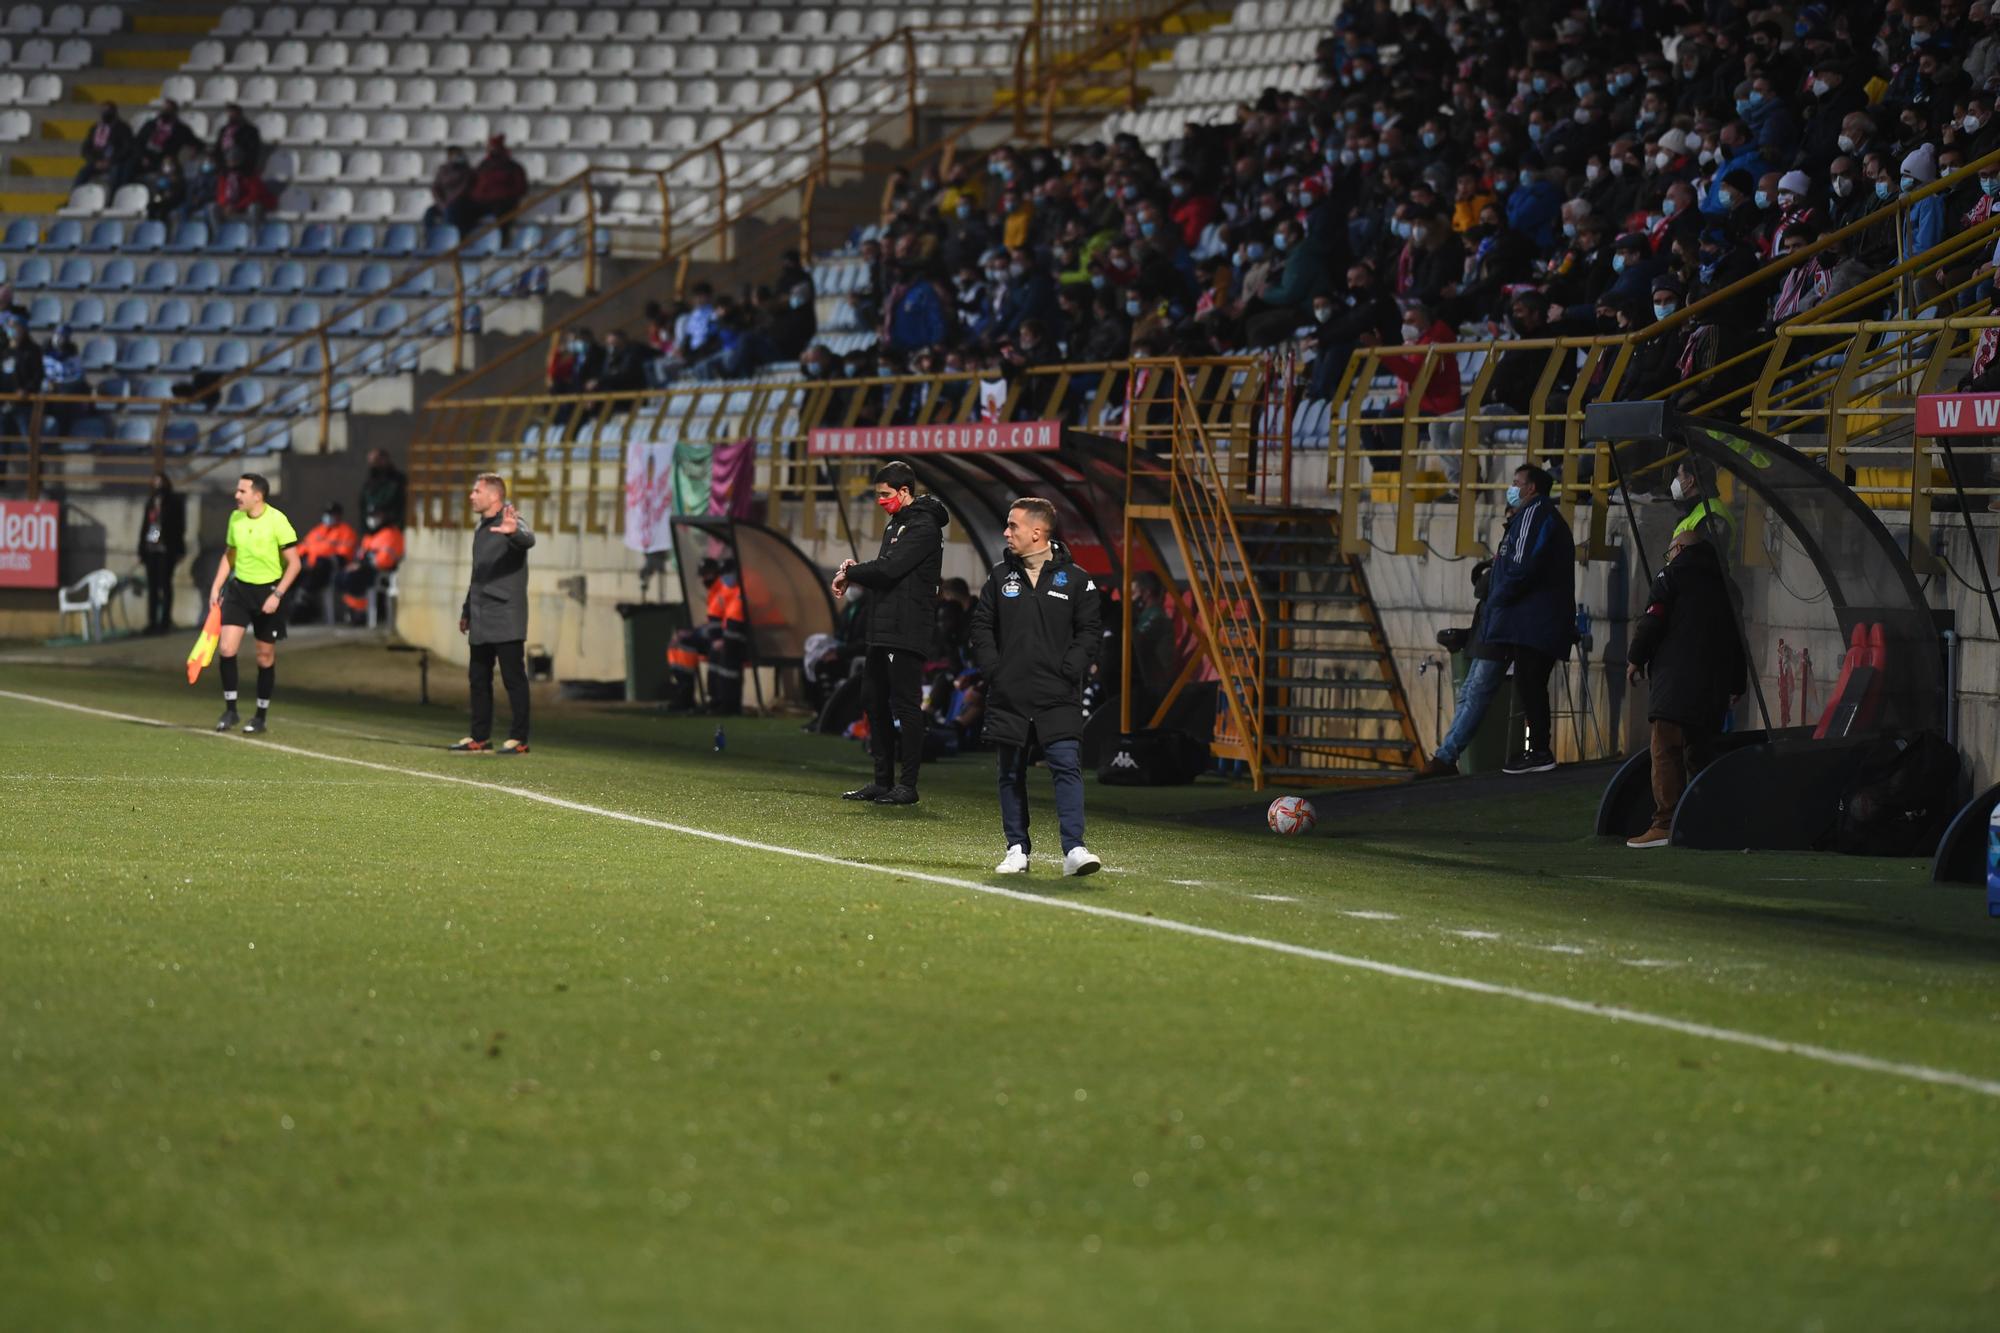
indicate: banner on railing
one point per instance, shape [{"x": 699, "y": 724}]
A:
[
  {"x": 1958, "y": 414},
  {"x": 29, "y": 533},
  {"x": 972, "y": 437},
  {"x": 649, "y": 497}
]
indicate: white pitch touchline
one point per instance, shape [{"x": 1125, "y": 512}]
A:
[
  {"x": 1613, "y": 1013},
  {"x": 1273, "y": 898}
]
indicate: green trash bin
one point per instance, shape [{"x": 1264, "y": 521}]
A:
[
  {"x": 649, "y": 628},
  {"x": 1490, "y": 741}
]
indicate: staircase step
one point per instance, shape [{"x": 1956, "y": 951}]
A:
[
  {"x": 1322, "y": 626},
  {"x": 1322, "y": 655},
  {"x": 1305, "y": 771},
  {"x": 1272, "y": 683},
  {"x": 1342, "y": 714},
  {"x": 1313, "y": 744},
  {"x": 1315, "y": 598}
]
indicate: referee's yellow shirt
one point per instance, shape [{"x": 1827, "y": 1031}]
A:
[{"x": 257, "y": 545}]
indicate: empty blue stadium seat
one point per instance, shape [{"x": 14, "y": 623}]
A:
[
  {"x": 350, "y": 325},
  {"x": 21, "y": 234},
  {"x": 135, "y": 354},
  {"x": 154, "y": 386},
  {"x": 246, "y": 277},
  {"x": 243, "y": 396},
  {"x": 182, "y": 436},
  {"x": 310, "y": 362},
  {"x": 44, "y": 312},
  {"x": 75, "y": 274},
  {"x": 289, "y": 401},
  {"x": 302, "y": 317},
  {"x": 34, "y": 272},
  {"x": 173, "y": 316},
  {"x": 216, "y": 317},
  {"x": 421, "y": 283},
  {"x": 328, "y": 280},
  {"x": 483, "y": 245},
  {"x": 184, "y": 356},
  {"x": 86, "y": 313},
  {"x": 117, "y": 275},
  {"x": 107, "y": 235},
  {"x": 188, "y": 237},
  {"x": 315, "y": 239},
  {"x": 128, "y": 316},
  {"x": 400, "y": 241},
  {"x": 273, "y": 238},
  {"x": 356, "y": 238},
  {"x": 437, "y": 240},
  {"x": 526, "y": 239},
  {"x": 160, "y": 275},
  {"x": 371, "y": 279},
  {"x": 230, "y": 354},
  {"x": 202, "y": 276},
  {"x": 226, "y": 438},
  {"x": 113, "y": 387},
  {"x": 366, "y": 361},
  {"x": 259, "y": 317},
  {"x": 133, "y": 430},
  {"x": 403, "y": 358},
  {"x": 274, "y": 358},
  {"x": 231, "y": 238},
  {"x": 64, "y": 234},
  {"x": 388, "y": 318},
  {"x": 287, "y": 279},
  {"x": 99, "y": 353},
  {"x": 147, "y": 237}
]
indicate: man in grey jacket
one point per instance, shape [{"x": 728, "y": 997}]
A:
[{"x": 495, "y": 616}]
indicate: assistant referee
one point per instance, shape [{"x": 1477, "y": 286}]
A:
[{"x": 259, "y": 566}]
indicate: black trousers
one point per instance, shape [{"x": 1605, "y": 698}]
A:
[
  {"x": 895, "y": 694},
  {"x": 1531, "y": 686},
  {"x": 513, "y": 674},
  {"x": 159, "y": 592}
]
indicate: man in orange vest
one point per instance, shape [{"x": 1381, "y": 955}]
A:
[
  {"x": 724, "y": 640},
  {"x": 326, "y": 550},
  {"x": 381, "y": 552}
]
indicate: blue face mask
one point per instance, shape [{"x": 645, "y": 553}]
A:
[
  {"x": 1756, "y": 97},
  {"x": 1667, "y": 207},
  {"x": 1513, "y": 497},
  {"x": 1367, "y": 154},
  {"x": 1763, "y": 198},
  {"x": 1495, "y": 147},
  {"x": 1255, "y": 250},
  {"x": 1662, "y": 310},
  {"x": 1990, "y": 184},
  {"x": 1430, "y": 140},
  {"x": 1881, "y": 189},
  {"x": 1618, "y": 263},
  {"x": 1742, "y": 105},
  {"x": 1583, "y": 87},
  {"x": 1534, "y": 132},
  {"x": 1148, "y": 228},
  {"x": 1540, "y": 85},
  {"x": 1379, "y": 119}
]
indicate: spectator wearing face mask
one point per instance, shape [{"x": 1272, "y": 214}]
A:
[
  {"x": 1286, "y": 303},
  {"x": 1774, "y": 130},
  {"x": 916, "y": 316},
  {"x": 239, "y": 135},
  {"x": 106, "y": 145},
  {"x": 164, "y": 135},
  {"x": 1835, "y": 98},
  {"x": 1848, "y": 199},
  {"x": 1925, "y": 225},
  {"x": 1533, "y": 206},
  {"x": 1740, "y": 158},
  {"x": 1193, "y": 208},
  {"x": 1470, "y": 199},
  {"x": 1431, "y": 260},
  {"x": 1442, "y": 396}
]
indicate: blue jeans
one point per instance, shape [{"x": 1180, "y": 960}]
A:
[
  {"x": 1474, "y": 694},
  {"x": 1065, "y": 761}
]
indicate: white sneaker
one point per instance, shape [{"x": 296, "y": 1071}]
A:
[
  {"x": 1081, "y": 862},
  {"x": 1016, "y": 863}
]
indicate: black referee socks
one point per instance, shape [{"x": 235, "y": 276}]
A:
[
  {"x": 229, "y": 680},
  {"x": 267, "y": 677}
]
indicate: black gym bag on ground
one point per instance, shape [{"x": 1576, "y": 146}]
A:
[{"x": 1160, "y": 758}]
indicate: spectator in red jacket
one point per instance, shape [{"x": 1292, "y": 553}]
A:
[
  {"x": 498, "y": 187},
  {"x": 1442, "y": 394},
  {"x": 1194, "y": 208},
  {"x": 241, "y": 194}
]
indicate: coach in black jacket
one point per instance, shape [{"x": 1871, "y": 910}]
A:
[
  {"x": 1034, "y": 633},
  {"x": 901, "y": 607},
  {"x": 1688, "y": 644}
]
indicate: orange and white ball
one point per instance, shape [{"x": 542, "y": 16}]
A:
[{"x": 1291, "y": 815}]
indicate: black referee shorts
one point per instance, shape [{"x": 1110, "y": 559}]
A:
[{"x": 243, "y": 606}]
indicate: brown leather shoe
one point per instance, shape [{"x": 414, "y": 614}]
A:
[
  {"x": 1652, "y": 837},
  {"x": 1438, "y": 768}
]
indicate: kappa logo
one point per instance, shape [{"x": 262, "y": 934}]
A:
[{"x": 1123, "y": 759}]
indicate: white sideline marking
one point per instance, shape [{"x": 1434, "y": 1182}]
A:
[
  {"x": 1273, "y": 898},
  {"x": 1360, "y": 915},
  {"x": 1826, "y": 1055}
]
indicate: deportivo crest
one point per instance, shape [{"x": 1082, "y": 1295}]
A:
[
  {"x": 1011, "y": 588},
  {"x": 1062, "y": 578}
]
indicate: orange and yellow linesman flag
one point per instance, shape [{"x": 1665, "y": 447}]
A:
[{"x": 203, "y": 651}]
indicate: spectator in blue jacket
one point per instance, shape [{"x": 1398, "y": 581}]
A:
[
  {"x": 1927, "y": 220},
  {"x": 1772, "y": 123},
  {"x": 1533, "y": 205},
  {"x": 1738, "y": 154},
  {"x": 916, "y": 313},
  {"x": 1531, "y": 605},
  {"x": 1030, "y": 293}
]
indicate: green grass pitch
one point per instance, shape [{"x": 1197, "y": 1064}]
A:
[{"x": 294, "y": 1044}]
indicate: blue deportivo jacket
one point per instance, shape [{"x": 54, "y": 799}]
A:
[{"x": 1531, "y": 600}]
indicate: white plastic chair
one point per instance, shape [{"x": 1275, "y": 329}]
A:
[{"x": 88, "y": 597}]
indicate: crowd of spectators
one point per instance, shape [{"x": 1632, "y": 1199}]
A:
[{"x": 1463, "y": 168}]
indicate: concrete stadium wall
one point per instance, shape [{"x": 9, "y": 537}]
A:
[{"x": 1598, "y": 714}]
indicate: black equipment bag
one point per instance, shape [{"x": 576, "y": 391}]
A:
[
  {"x": 1161, "y": 758},
  {"x": 1902, "y": 795}
]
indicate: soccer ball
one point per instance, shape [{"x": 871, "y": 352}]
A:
[{"x": 1291, "y": 815}]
